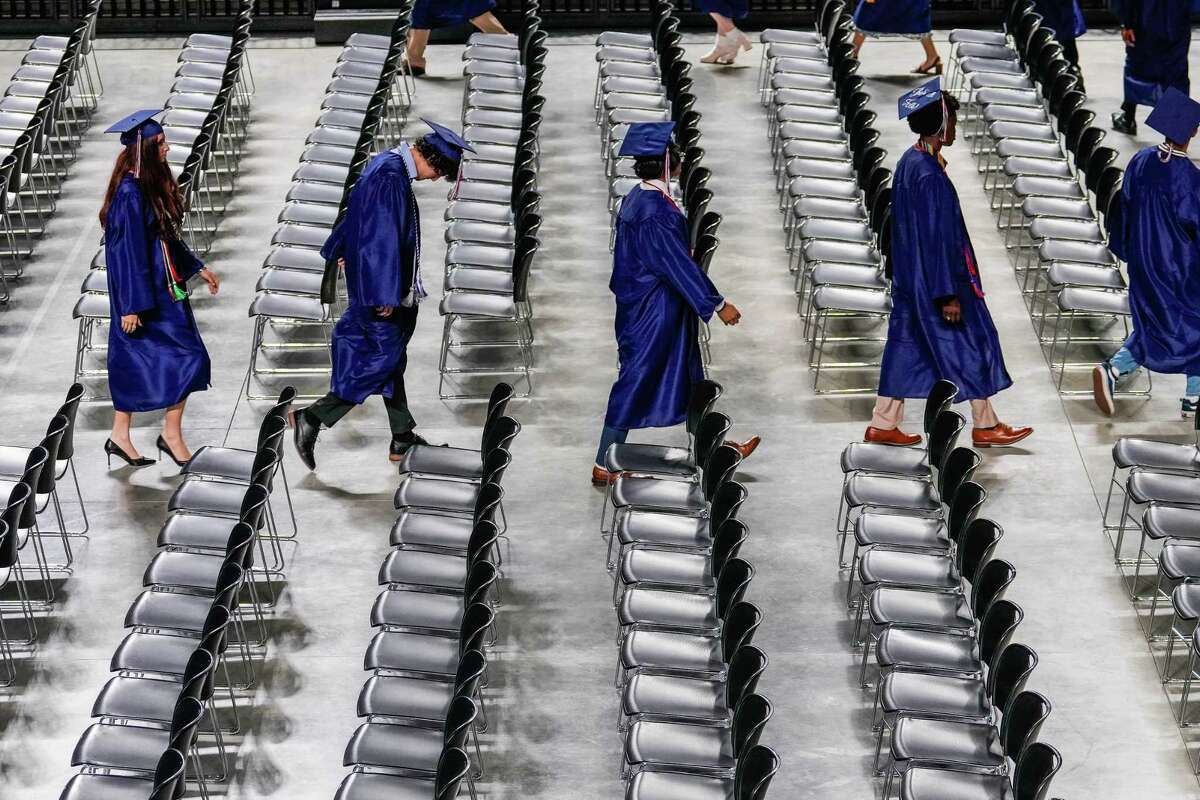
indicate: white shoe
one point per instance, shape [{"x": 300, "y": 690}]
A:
[
  {"x": 712, "y": 56},
  {"x": 729, "y": 47}
]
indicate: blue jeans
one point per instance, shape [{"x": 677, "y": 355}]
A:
[
  {"x": 607, "y": 437},
  {"x": 1125, "y": 364}
]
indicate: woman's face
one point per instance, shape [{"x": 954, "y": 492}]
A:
[{"x": 163, "y": 146}]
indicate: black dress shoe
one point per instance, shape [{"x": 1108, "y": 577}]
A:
[
  {"x": 1123, "y": 124},
  {"x": 304, "y": 436},
  {"x": 401, "y": 444}
]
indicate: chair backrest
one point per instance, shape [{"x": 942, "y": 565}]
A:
[
  {"x": 483, "y": 539},
  {"x": 476, "y": 621},
  {"x": 1023, "y": 720},
  {"x": 726, "y": 502},
  {"x": 959, "y": 467},
  {"x": 498, "y": 402},
  {"x": 14, "y": 510},
  {"x": 471, "y": 668},
  {"x": 976, "y": 545},
  {"x": 186, "y": 717},
  {"x": 1036, "y": 768},
  {"x": 710, "y": 434},
  {"x": 459, "y": 719},
  {"x": 481, "y": 577},
  {"x": 738, "y": 628},
  {"x": 216, "y": 624},
  {"x": 168, "y": 776},
  {"x": 997, "y": 628},
  {"x": 198, "y": 676},
  {"x": 488, "y": 501},
  {"x": 964, "y": 508},
  {"x": 939, "y": 399},
  {"x": 745, "y": 668},
  {"x": 271, "y": 435},
  {"x": 494, "y": 465},
  {"x": 254, "y": 505},
  {"x": 263, "y": 469},
  {"x": 755, "y": 770},
  {"x": 52, "y": 442},
  {"x": 749, "y": 719},
  {"x": 1102, "y": 158},
  {"x": 1067, "y": 113},
  {"x": 229, "y": 582},
  {"x": 35, "y": 462},
  {"x": 1009, "y": 673},
  {"x": 720, "y": 467},
  {"x": 990, "y": 584},
  {"x": 732, "y": 583},
  {"x": 500, "y": 433},
  {"x": 943, "y": 435},
  {"x": 8, "y": 545},
  {"x": 452, "y": 770},
  {"x": 1089, "y": 140},
  {"x": 704, "y": 396},
  {"x": 726, "y": 542},
  {"x": 69, "y": 409}
]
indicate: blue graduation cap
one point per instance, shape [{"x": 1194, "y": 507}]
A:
[
  {"x": 142, "y": 120},
  {"x": 924, "y": 95},
  {"x": 446, "y": 141},
  {"x": 1176, "y": 116},
  {"x": 647, "y": 139}
]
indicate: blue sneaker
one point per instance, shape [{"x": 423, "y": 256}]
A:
[
  {"x": 1104, "y": 382},
  {"x": 1187, "y": 406}
]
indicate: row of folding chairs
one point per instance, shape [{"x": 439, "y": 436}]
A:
[
  {"x": 494, "y": 215},
  {"x": 687, "y": 671},
  {"x": 197, "y": 632},
  {"x": 1052, "y": 183},
  {"x": 927, "y": 598},
  {"x": 44, "y": 112},
  {"x": 206, "y": 121},
  {"x": 33, "y": 517},
  {"x": 364, "y": 111},
  {"x": 646, "y": 78},
  {"x": 834, "y": 192},
  {"x": 423, "y": 704}
]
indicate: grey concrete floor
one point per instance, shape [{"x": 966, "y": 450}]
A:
[{"x": 553, "y": 712}]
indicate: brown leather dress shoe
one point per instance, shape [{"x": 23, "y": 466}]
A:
[
  {"x": 602, "y": 477},
  {"x": 747, "y": 447},
  {"x": 999, "y": 435},
  {"x": 892, "y": 436}
]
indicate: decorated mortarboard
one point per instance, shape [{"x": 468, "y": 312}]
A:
[
  {"x": 446, "y": 141},
  {"x": 924, "y": 95},
  {"x": 647, "y": 139},
  {"x": 1176, "y": 116},
  {"x": 138, "y": 122}
]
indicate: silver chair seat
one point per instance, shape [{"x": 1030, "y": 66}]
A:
[
  {"x": 682, "y": 611},
  {"x": 823, "y": 187},
  {"x": 934, "y": 784},
  {"x": 1009, "y": 97},
  {"x": 621, "y": 116},
  {"x": 500, "y": 101},
  {"x": 840, "y": 252},
  {"x": 418, "y": 529},
  {"x": 415, "y": 491},
  {"x": 479, "y": 279},
  {"x": 1037, "y": 167},
  {"x": 309, "y": 213},
  {"x": 850, "y": 298},
  {"x": 322, "y": 173},
  {"x": 1028, "y": 148},
  {"x": 899, "y": 530},
  {"x": 289, "y": 280},
  {"x": 1063, "y": 207},
  {"x": 494, "y": 84},
  {"x": 196, "y": 531},
  {"x": 831, "y": 170},
  {"x": 478, "y": 191},
  {"x": 395, "y": 746},
  {"x": 632, "y": 85},
  {"x": 137, "y": 698},
  {"x": 1066, "y": 229},
  {"x": 648, "y": 458},
  {"x": 1131, "y": 451},
  {"x": 1001, "y": 65},
  {"x": 1078, "y": 252},
  {"x": 1179, "y": 560},
  {"x": 1146, "y": 486},
  {"x": 664, "y": 745},
  {"x": 998, "y": 50},
  {"x": 912, "y": 462},
  {"x": 652, "y": 527},
  {"x": 284, "y": 306},
  {"x": 688, "y": 571},
  {"x": 491, "y": 154},
  {"x": 501, "y": 69},
  {"x": 479, "y": 255},
  {"x": 455, "y": 462},
  {"x": 131, "y": 747},
  {"x": 942, "y": 741},
  {"x": 1025, "y": 185},
  {"x": 669, "y": 696},
  {"x": 682, "y": 653},
  {"x": 508, "y": 40},
  {"x": 623, "y": 39},
  {"x": 824, "y": 115},
  {"x": 630, "y": 69},
  {"x": 812, "y": 132},
  {"x": 291, "y": 233},
  {"x": 1171, "y": 522},
  {"x": 1093, "y": 301},
  {"x": 1068, "y": 274},
  {"x": 933, "y": 695},
  {"x": 1034, "y": 115},
  {"x": 997, "y": 80},
  {"x": 222, "y": 462},
  {"x": 478, "y": 304},
  {"x": 179, "y": 568},
  {"x": 419, "y": 610},
  {"x": 398, "y": 696},
  {"x": 838, "y": 230},
  {"x": 312, "y": 192},
  {"x": 652, "y": 494},
  {"x": 412, "y": 652},
  {"x": 483, "y": 212},
  {"x": 651, "y": 785},
  {"x": 927, "y": 570},
  {"x": 209, "y": 497},
  {"x": 1185, "y": 600},
  {"x": 483, "y": 232},
  {"x": 820, "y": 97},
  {"x": 799, "y": 80},
  {"x": 494, "y": 119},
  {"x": 477, "y": 53},
  {"x": 168, "y": 610},
  {"x": 1005, "y": 129},
  {"x": 807, "y": 66},
  {"x": 151, "y": 652},
  {"x": 828, "y": 273},
  {"x": 911, "y": 608},
  {"x": 786, "y": 36},
  {"x": 616, "y": 52},
  {"x": 107, "y": 787},
  {"x": 829, "y": 209},
  {"x": 795, "y": 50},
  {"x": 927, "y": 651},
  {"x": 807, "y": 148},
  {"x": 891, "y": 492},
  {"x": 973, "y": 36},
  {"x": 441, "y": 570}
]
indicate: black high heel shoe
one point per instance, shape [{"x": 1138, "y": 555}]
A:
[
  {"x": 163, "y": 447},
  {"x": 112, "y": 449}
]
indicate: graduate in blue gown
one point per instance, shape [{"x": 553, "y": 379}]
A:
[
  {"x": 907, "y": 18},
  {"x": 940, "y": 327},
  {"x": 730, "y": 40},
  {"x": 661, "y": 295},
  {"x": 1157, "y": 36},
  {"x": 1066, "y": 19},
  {"x": 429, "y": 14},
  {"x": 378, "y": 244},
  {"x": 155, "y": 355},
  {"x": 1158, "y": 235}
]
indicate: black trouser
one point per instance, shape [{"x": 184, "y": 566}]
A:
[
  {"x": 331, "y": 408},
  {"x": 1071, "y": 53}
]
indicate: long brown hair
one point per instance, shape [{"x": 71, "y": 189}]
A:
[{"x": 158, "y": 185}]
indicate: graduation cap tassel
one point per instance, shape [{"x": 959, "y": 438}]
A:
[{"x": 137, "y": 155}]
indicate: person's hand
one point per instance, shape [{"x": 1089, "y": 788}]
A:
[
  {"x": 384, "y": 311},
  {"x": 729, "y": 314},
  {"x": 130, "y": 323},
  {"x": 342, "y": 264},
  {"x": 1129, "y": 36},
  {"x": 210, "y": 277},
  {"x": 952, "y": 312}
]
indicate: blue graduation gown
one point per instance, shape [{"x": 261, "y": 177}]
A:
[
  {"x": 1158, "y": 236},
  {"x": 1064, "y": 16},
  {"x": 906, "y": 17},
  {"x": 428, "y": 14},
  {"x": 734, "y": 9},
  {"x": 1159, "y": 58},
  {"x": 930, "y": 252},
  {"x": 660, "y": 294},
  {"x": 379, "y": 238},
  {"x": 164, "y": 360}
]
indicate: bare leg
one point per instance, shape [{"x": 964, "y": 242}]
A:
[
  {"x": 172, "y": 432},
  {"x": 932, "y": 58},
  {"x": 418, "y": 38},
  {"x": 120, "y": 433},
  {"x": 724, "y": 23},
  {"x": 487, "y": 23},
  {"x": 858, "y": 42}
]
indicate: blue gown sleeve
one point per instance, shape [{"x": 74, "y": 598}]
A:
[
  {"x": 186, "y": 261},
  {"x": 127, "y": 244},
  {"x": 1118, "y": 229},
  {"x": 334, "y": 247},
  {"x": 939, "y": 240},
  {"x": 667, "y": 255},
  {"x": 386, "y": 240}
]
